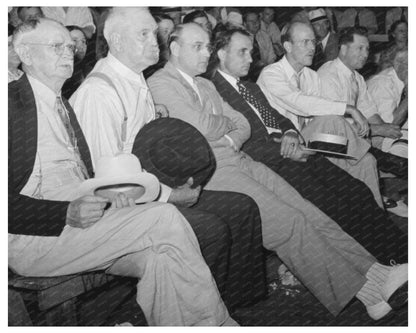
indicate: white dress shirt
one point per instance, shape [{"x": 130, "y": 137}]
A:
[
  {"x": 99, "y": 110},
  {"x": 279, "y": 82},
  {"x": 56, "y": 173},
  {"x": 386, "y": 90},
  {"x": 339, "y": 83}
]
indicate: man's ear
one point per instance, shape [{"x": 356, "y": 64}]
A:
[
  {"x": 24, "y": 54},
  {"x": 343, "y": 49},
  {"x": 174, "y": 48},
  {"x": 221, "y": 54},
  {"x": 287, "y": 46},
  {"x": 115, "y": 41}
]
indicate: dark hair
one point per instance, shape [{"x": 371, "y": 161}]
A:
[
  {"x": 190, "y": 17},
  {"x": 19, "y": 10},
  {"x": 222, "y": 40},
  {"x": 160, "y": 17},
  {"x": 347, "y": 35},
  {"x": 394, "y": 26},
  {"x": 248, "y": 12}
]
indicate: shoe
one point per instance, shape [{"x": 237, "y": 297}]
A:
[
  {"x": 395, "y": 289},
  {"x": 379, "y": 310},
  {"x": 400, "y": 209}
]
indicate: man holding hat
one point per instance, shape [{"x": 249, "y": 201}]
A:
[
  {"x": 55, "y": 230},
  {"x": 326, "y": 41},
  {"x": 332, "y": 265},
  {"x": 114, "y": 104}
]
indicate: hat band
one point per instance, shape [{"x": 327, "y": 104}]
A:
[{"x": 319, "y": 18}]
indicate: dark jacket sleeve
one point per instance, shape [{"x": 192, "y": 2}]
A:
[{"x": 27, "y": 216}]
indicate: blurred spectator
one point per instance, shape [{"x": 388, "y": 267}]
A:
[
  {"x": 13, "y": 63},
  {"x": 398, "y": 41},
  {"x": 79, "y": 16},
  {"x": 327, "y": 41},
  {"x": 214, "y": 15},
  {"x": 27, "y": 13},
  {"x": 268, "y": 25},
  {"x": 263, "y": 52},
  {"x": 199, "y": 17},
  {"x": 356, "y": 16},
  {"x": 395, "y": 14},
  {"x": 101, "y": 46},
  {"x": 80, "y": 71}
]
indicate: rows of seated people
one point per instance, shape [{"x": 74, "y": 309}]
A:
[{"x": 174, "y": 144}]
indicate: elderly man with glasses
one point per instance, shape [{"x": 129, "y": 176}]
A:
[{"x": 55, "y": 230}]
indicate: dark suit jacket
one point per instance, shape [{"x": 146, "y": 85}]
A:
[
  {"x": 30, "y": 216},
  {"x": 331, "y": 50},
  {"x": 260, "y": 146}
]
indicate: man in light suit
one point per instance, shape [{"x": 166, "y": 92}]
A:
[
  {"x": 313, "y": 246},
  {"x": 342, "y": 197}
]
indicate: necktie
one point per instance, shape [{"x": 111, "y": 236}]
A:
[
  {"x": 301, "y": 120},
  {"x": 354, "y": 89},
  {"x": 255, "y": 54},
  {"x": 265, "y": 113},
  {"x": 318, "y": 57},
  {"x": 357, "y": 19},
  {"x": 403, "y": 16},
  {"x": 63, "y": 114}
]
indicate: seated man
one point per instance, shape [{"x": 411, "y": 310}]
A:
[
  {"x": 54, "y": 231},
  {"x": 388, "y": 90},
  {"x": 274, "y": 142},
  {"x": 113, "y": 105},
  {"x": 293, "y": 89},
  {"x": 263, "y": 51},
  {"x": 329, "y": 254},
  {"x": 327, "y": 41},
  {"x": 341, "y": 82}
]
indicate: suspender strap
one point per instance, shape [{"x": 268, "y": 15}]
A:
[{"x": 107, "y": 79}]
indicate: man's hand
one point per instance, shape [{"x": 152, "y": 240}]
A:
[
  {"x": 289, "y": 145},
  {"x": 360, "y": 121},
  {"x": 386, "y": 130},
  {"x": 85, "y": 211},
  {"x": 301, "y": 155},
  {"x": 121, "y": 201},
  {"x": 161, "y": 111},
  {"x": 184, "y": 195}
]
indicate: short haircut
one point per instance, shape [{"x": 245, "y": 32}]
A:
[
  {"x": 287, "y": 30},
  {"x": 347, "y": 34},
  {"x": 190, "y": 17},
  {"x": 117, "y": 19},
  {"x": 175, "y": 35}
]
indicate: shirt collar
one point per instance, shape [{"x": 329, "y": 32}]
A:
[
  {"x": 289, "y": 70},
  {"x": 187, "y": 77},
  {"x": 343, "y": 68},
  {"x": 43, "y": 92},
  {"x": 124, "y": 71},
  {"x": 230, "y": 79},
  {"x": 325, "y": 40}
]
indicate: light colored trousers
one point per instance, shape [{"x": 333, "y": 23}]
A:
[
  {"x": 330, "y": 263},
  {"x": 153, "y": 242},
  {"x": 364, "y": 166}
]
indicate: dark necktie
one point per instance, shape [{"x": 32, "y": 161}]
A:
[
  {"x": 318, "y": 57},
  {"x": 402, "y": 16},
  {"x": 357, "y": 19},
  {"x": 265, "y": 113},
  {"x": 255, "y": 54},
  {"x": 63, "y": 114}
]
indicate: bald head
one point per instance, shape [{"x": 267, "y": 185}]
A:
[{"x": 190, "y": 48}]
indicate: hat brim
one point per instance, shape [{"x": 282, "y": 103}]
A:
[{"x": 147, "y": 180}]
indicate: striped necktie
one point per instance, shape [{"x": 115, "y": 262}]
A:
[{"x": 63, "y": 114}]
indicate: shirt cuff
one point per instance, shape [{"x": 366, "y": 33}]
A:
[
  {"x": 165, "y": 192},
  {"x": 232, "y": 143}
]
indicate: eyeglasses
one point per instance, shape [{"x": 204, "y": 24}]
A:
[
  {"x": 59, "y": 48},
  {"x": 198, "y": 47},
  {"x": 306, "y": 42}
]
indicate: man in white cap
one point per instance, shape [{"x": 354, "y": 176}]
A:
[
  {"x": 326, "y": 41},
  {"x": 54, "y": 230}
]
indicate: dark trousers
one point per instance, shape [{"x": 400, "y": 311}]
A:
[
  {"x": 228, "y": 228},
  {"x": 347, "y": 200},
  {"x": 390, "y": 163}
]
